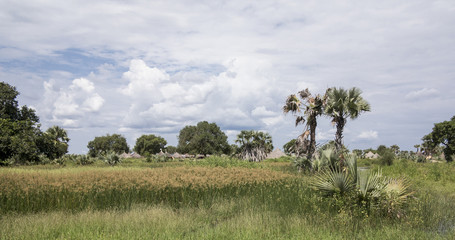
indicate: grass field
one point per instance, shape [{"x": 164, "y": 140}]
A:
[{"x": 218, "y": 198}]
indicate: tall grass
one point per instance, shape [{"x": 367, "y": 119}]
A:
[
  {"x": 33, "y": 191},
  {"x": 209, "y": 201}
]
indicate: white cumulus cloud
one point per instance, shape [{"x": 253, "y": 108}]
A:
[
  {"x": 368, "y": 135},
  {"x": 69, "y": 105}
]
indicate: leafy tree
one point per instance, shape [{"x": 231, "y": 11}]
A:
[
  {"x": 109, "y": 143},
  {"x": 254, "y": 145},
  {"x": 342, "y": 104},
  {"x": 312, "y": 107},
  {"x": 149, "y": 144},
  {"x": 204, "y": 138},
  {"x": 289, "y": 147},
  {"x": 20, "y": 136},
  {"x": 171, "y": 149},
  {"x": 381, "y": 149},
  {"x": 55, "y": 142},
  {"x": 443, "y": 133},
  {"x": 19, "y": 142}
]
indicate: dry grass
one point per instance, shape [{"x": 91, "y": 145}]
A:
[{"x": 121, "y": 178}]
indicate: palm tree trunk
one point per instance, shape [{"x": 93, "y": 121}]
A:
[
  {"x": 312, "y": 146},
  {"x": 339, "y": 134}
]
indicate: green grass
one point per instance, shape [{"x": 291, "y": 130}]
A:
[{"x": 281, "y": 209}]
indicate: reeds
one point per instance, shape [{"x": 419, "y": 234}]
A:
[{"x": 47, "y": 190}]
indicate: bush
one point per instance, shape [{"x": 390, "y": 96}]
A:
[
  {"x": 84, "y": 160},
  {"x": 387, "y": 158},
  {"x": 111, "y": 158}
]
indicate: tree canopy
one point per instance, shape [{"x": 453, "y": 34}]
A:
[
  {"x": 254, "y": 145},
  {"x": 443, "y": 133},
  {"x": 109, "y": 143},
  {"x": 342, "y": 104},
  {"x": 149, "y": 144},
  {"x": 204, "y": 138},
  {"x": 312, "y": 107},
  {"x": 21, "y": 140}
]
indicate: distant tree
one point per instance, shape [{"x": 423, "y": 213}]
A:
[
  {"x": 204, "y": 138},
  {"x": 290, "y": 147},
  {"x": 443, "y": 133},
  {"x": 358, "y": 152},
  {"x": 149, "y": 144},
  {"x": 55, "y": 142},
  {"x": 254, "y": 145},
  {"x": 381, "y": 149},
  {"x": 104, "y": 144},
  {"x": 20, "y": 135},
  {"x": 171, "y": 149},
  {"x": 312, "y": 106},
  {"x": 395, "y": 149},
  {"x": 342, "y": 104}
]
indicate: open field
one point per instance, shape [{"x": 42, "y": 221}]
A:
[{"x": 211, "y": 200}]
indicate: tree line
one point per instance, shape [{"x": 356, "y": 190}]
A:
[{"x": 22, "y": 141}]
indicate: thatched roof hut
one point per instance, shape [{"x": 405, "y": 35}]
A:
[
  {"x": 371, "y": 155},
  {"x": 277, "y": 153}
]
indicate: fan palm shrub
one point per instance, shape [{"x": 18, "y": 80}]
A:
[
  {"x": 111, "y": 158},
  {"x": 369, "y": 189}
]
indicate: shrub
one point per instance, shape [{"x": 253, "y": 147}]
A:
[
  {"x": 387, "y": 158},
  {"x": 84, "y": 160},
  {"x": 111, "y": 158}
]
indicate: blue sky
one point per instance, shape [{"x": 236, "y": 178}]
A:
[{"x": 153, "y": 67}]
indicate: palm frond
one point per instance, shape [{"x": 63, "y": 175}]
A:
[
  {"x": 334, "y": 181},
  {"x": 299, "y": 120}
]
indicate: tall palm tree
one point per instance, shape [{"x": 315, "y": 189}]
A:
[
  {"x": 312, "y": 107},
  {"x": 342, "y": 104}
]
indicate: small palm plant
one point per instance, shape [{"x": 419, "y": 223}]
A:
[
  {"x": 111, "y": 158},
  {"x": 369, "y": 188}
]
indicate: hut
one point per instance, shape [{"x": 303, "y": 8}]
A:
[
  {"x": 371, "y": 155},
  {"x": 277, "y": 153}
]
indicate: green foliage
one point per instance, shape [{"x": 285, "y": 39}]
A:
[
  {"x": 19, "y": 142},
  {"x": 171, "y": 149},
  {"x": 382, "y": 149},
  {"x": 84, "y": 160},
  {"x": 290, "y": 147},
  {"x": 334, "y": 181},
  {"x": 55, "y": 142},
  {"x": 254, "y": 145},
  {"x": 387, "y": 157},
  {"x": 369, "y": 189},
  {"x": 149, "y": 144},
  {"x": 312, "y": 107},
  {"x": 443, "y": 133},
  {"x": 21, "y": 139},
  {"x": 204, "y": 138},
  {"x": 111, "y": 158},
  {"x": 102, "y": 145}
]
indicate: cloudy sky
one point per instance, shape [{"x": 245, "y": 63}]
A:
[{"x": 153, "y": 67}]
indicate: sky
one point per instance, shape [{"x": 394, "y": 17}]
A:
[{"x": 153, "y": 67}]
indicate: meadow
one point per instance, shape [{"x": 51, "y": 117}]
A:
[{"x": 215, "y": 198}]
